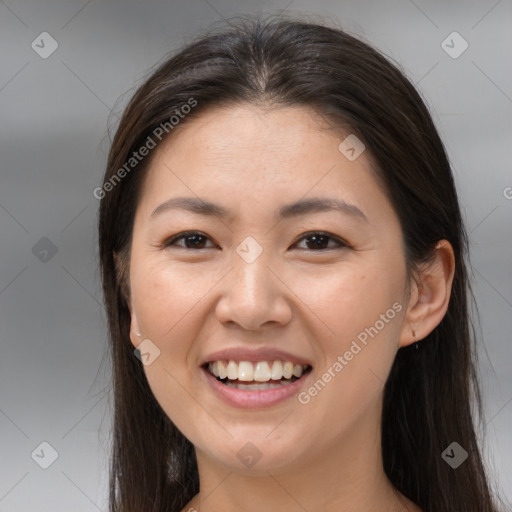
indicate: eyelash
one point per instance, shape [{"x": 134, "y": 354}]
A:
[{"x": 342, "y": 244}]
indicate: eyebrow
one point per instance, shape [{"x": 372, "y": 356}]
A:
[{"x": 301, "y": 207}]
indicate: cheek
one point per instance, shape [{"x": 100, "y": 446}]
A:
[
  {"x": 361, "y": 317},
  {"x": 344, "y": 301},
  {"x": 167, "y": 300},
  {"x": 166, "y": 295}
]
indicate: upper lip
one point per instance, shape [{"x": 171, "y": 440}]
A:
[{"x": 255, "y": 355}]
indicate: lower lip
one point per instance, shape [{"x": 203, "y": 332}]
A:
[{"x": 254, "y": 398}]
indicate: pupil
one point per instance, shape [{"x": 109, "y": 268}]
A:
[
  {"x": 196, "y": 238},
  {"x": 317, "y": 242}
]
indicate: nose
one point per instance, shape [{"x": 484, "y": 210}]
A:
[{"x": 253, "y": 294}]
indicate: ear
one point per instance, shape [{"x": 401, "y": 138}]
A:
[
  {"x": 121, "y": 276},
  {"x": 135, "y": 336},
  {"x": 430, "y": 295}
]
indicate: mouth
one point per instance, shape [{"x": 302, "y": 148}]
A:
[{"x": 257, "y": 375}]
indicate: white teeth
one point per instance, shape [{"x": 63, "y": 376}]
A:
[
  {"x": 287, "y": 370},
  {"x": 255, "y": 387},
  {"x": 232, "y": 370},
  {"x": 245, "y": 371},
  {"x": 262, "y": 371},
  {"x": 223, "y": 373},
  {"x": 297, "y": 370},
  {"x": 277, "y": 370}
]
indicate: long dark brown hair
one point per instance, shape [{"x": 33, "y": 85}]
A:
[{"x": 431, "y": 397}]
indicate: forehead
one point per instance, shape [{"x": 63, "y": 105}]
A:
[
  {"x": 251, "y": 134},
  {"x": 249, "y": 155}
]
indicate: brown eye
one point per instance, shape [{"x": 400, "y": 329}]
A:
[
  {"x": 315, "y": 241},
  {"x": 318, "y": 241},
  {"x": 192, "y": 240}
]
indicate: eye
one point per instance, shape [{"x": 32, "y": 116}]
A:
[
  {"x": 318, "y": 240},
  {"x": 193, "y": 239}
]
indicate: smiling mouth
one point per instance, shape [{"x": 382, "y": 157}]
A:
[{"x": 256, "y": 376}]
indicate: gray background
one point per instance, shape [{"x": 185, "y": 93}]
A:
[{"x": 54, "y": 377}]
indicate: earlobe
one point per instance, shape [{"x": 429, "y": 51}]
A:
[
  {"x": 135, "y": 335},
  {"x": 430, "y": 296}
]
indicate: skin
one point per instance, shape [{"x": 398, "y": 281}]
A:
[{"x": 324, "y": 455}]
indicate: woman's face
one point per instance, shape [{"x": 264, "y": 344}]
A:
[{"x": 254, "y": 286}]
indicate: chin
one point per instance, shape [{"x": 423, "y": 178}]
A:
[{"x": 252, "y": 451}]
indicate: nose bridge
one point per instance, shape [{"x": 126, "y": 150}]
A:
[
  {"x": 251, "y": 273},
  {"x": 253, "y": 295}
]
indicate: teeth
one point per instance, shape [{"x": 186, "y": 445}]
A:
[
  {"x": 297, "y": 370},
  {"x": 287, "y": 370},
  {"x": 262, "y": 371},
  {"x": 255, "y": 387},
  {"x": 245, "y": 371},
  {"x": 223, "y": 373},
  {"x": 277, "y": 370},
  {"x": 232, "y": 370}
]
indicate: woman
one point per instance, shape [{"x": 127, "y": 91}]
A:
[{"x": 284, "y": 269}]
